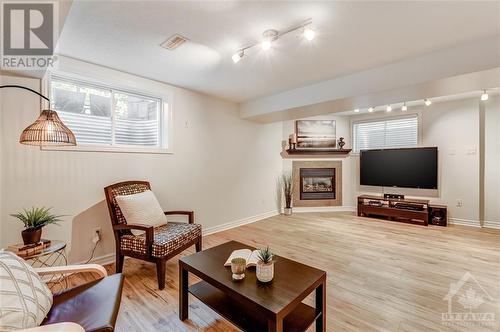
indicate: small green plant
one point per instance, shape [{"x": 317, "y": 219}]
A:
[
  {"x": 265, "y": 255},
  {"x": 286, "y": 182},
  {"x": 36, "y": 218}
]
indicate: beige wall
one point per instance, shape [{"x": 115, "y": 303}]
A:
[{"x": 223, "y": 168}]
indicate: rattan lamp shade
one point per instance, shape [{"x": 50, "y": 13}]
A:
[{"x": 47, "y": 130}]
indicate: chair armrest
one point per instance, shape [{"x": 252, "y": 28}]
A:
[
  {"x": 190, "y": 214},
  {"x": 147, "y": 228},
  {"x": 141, "y": 227},
  {"x": 95, "y": 268},
  {"x": 59, "y": 327}
]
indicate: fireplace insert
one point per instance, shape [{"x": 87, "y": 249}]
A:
[{"x": 317, "y": 183}]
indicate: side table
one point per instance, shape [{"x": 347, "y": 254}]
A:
[{"x": 53, "y": 255}]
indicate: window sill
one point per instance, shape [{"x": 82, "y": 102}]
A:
[{"x": 112, "y": 149}]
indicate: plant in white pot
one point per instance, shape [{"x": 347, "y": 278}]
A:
[
  {"x": 265, "y": 265},
  {"x": 287, "y": 186}
]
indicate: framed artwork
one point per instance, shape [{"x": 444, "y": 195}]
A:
[{"x": 316, "y": 133}]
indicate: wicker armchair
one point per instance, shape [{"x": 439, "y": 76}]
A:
[{"x": 157, "y": 244}]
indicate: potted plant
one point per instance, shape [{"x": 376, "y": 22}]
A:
[
  {"x": 34, "y": 220},
  {"x": 265, "y": 265},
  {"x": 287, "y": 186}
]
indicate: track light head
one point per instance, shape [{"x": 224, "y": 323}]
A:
[
  {"x": 266, "y": 44},
  {"x": 356, "y": 110},
  {"x": 389, "y": 108},
  {"x": 238, "y": 56},
  {"x": 268, "y": 37},
  {"x": 309, "y": 34},
  {"x": 484, "y": 95},
  {"x": 427, "y": 102},
  {"x": 371, "y": 109},
  {"x": 404, "y": 108}
]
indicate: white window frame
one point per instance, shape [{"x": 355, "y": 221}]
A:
[
  {"x": 385, "y": 117},
  {"x": 166, "y": 121}
]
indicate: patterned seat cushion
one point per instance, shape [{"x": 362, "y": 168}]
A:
[{"x": 167, "y": 239}]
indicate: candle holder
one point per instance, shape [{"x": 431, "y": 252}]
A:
[{"x": 238, "y": 266}]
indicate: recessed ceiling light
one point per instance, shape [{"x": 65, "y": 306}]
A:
[
  {"x": 371, "y": 109},
  {"x": 404, "y": 108},
  {"x": 237, "y": 56},
  {"x": 356, "y": 110},
  {"x": 484, "y": 96},
  {"x": 427, "y": 102},
  {"x": 389, "y": 108},
  {"x": 309, "y": 34}
]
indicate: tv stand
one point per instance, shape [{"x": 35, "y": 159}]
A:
[{"x": 413, "y": 211}]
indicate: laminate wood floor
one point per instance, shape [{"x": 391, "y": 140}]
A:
[{"x": 382, "y": 276}]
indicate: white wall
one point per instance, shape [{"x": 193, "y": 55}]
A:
[
  {"x": 223, "y": 168},
  {"x": 492, "y": 162}
]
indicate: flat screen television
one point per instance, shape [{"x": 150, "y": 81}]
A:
[{"x": 405, "y": 168}]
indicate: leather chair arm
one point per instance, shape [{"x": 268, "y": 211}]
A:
[{"x": 190, "y": 214}]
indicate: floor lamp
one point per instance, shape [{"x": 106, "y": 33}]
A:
[{"x": 48, "y": 129}]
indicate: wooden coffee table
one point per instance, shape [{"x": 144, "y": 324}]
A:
[{"x": 249, "y": 304}]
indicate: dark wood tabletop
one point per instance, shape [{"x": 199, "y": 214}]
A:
[{"x": 272, "y": 301}]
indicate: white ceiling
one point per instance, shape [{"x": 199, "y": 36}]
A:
[{"x": 351, "y": 37}]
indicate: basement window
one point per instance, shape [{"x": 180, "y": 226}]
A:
[
  {"x": 104, "y": 118},
  {"x": 385, "y": 133}
]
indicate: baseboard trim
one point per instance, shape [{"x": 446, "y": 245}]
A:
[
  {"x": 464, "y": 222},
  {"x": 240, "y": 222},
  {"x": 304, "y": 209},
  {"x": 491, "y": 224}
]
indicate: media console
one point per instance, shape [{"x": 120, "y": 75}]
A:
[{"x": 413, "y": 211}]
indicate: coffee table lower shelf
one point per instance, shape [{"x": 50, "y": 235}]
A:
[{"x": 298, "y": 320}]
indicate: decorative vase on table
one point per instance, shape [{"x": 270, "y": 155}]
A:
[{"x": 264, "y": 270}]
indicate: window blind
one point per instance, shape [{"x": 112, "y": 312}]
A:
[
  {"x": 386, "y": 133},
  {"x": 103, "y": 116}
]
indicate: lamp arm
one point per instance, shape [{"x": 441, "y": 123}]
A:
[{"x": 25, "y": 88}]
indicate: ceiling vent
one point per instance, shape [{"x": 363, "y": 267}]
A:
[{"x": 173, "y": 42}]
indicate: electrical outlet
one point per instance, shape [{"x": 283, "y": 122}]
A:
[
  {"x": 460, "y": 203},
  {"x": 96, "y": 234}
]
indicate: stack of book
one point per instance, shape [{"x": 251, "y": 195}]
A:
[{"x": 26, "y": 250}]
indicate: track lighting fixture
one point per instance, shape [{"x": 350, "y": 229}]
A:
[
  {"x": 271, "y": 35},
  {"x": 371, "y": 109},
  {"x": 427, "y": 102},
  {"x": 484, "y": 95},
  {"x": 404, "y": 108},
  {"x": 237, "y": 56},
  {"x": 389, "y": 108},
  {"x": 356, "y": 110},
  {"x": 309, "y": 34}
]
